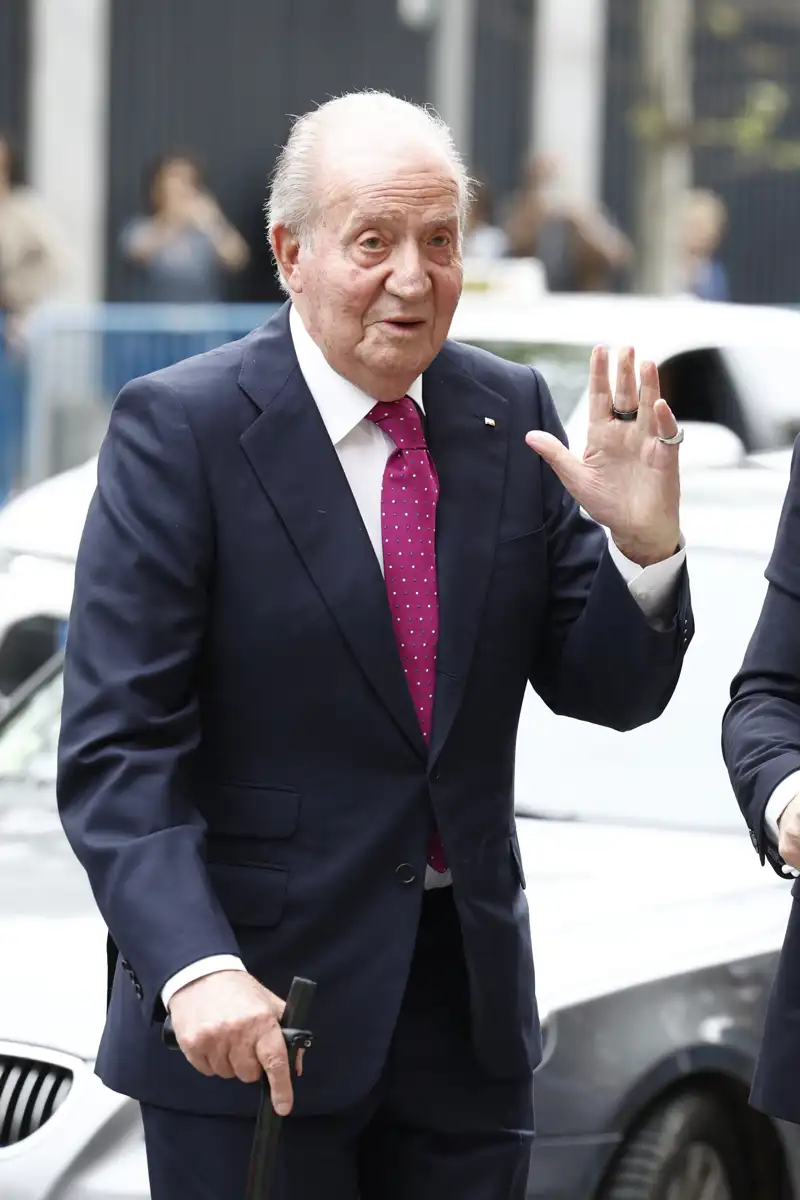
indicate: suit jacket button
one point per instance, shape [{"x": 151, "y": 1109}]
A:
[{"x": 405, "y": 873}]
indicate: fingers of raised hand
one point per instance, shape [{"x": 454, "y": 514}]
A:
[
  {"x": 665, "y": 424},
  {"x": 626, "y": 397},
  {"x": 566, "y": 465},
  {"x": 649, "y": 392},
  {"x": 600, "y": 395}
]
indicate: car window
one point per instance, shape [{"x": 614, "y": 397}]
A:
[
  {"x": 761, "y": 373},
  {"x": 564, "y": 367},
  {"x": 670, "y": 772},
  {"x": 27, "y": 646},
  {"x": 698, "y": 387},
  {"x": 29, "y": 739}
]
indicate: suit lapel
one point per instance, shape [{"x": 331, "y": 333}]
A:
[
  {"x": 470, "y": 458},
  {"x": 297, "y": 466}
]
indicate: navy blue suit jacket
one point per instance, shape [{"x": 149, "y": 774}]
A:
[
  {"x": 761, "y": 746},
  {"x": 241, "y": 769}
]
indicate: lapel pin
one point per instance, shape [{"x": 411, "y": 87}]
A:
[{"x": 490, "y": 421}]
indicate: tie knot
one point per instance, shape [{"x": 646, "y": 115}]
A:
[{"x": 401, "y": 420}]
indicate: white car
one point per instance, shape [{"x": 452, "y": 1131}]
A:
[
  {"x": 729, "y": 367},
  {"x": 655, "y": 933},
  {"x": 40, "y": 530},
  {"x": 726, "y": 369}
]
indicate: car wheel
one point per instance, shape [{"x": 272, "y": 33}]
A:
[{"x": 686, "y": 1150}]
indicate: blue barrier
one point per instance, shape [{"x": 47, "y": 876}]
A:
[
  {"x": 13, "y": 378},
  {"x": 138, "y": 339},
  {"x": 81, "y": 356}
]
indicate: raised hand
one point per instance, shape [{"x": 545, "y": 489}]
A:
[{"x": 628, "y": 480}]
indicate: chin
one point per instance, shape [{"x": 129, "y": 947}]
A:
[
  {"x": 391, "y": 358},
  {"x": 402, "y": 369}
]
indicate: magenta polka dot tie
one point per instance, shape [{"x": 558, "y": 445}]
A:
[{"x": 408, "y": 529}]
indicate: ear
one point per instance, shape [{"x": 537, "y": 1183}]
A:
[{"x": 286, "y": 248}]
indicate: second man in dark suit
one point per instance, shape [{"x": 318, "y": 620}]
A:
[{"x": 761, "y": 745}]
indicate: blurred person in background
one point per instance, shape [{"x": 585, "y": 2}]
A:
[
  {"x": 181, "y": 252},
  {"x": 482, "y": 238},
  {"x": 33, "y": 255},
  {"x": 580, "y": 248},
  {"x": 34, "y": 264},
  {"x": 705, "y": 220},
  {"x": 320, "y": 567},
  {"x": 761, "y": 747}
]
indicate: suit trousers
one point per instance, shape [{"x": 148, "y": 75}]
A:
[{"x": 435, "y": 1127}]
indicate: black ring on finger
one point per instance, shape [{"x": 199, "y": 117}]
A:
[{"x": 625, "y": 415}]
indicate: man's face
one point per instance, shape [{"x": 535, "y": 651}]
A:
[
  {"x": 176, "y": 187},
  {"x": 379, "y": 280}
]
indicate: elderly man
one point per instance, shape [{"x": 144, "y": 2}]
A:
[{"x": 320, "y": 567}]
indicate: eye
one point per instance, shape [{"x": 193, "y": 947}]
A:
[
  {"x": 440, "y": 241},
  {"x": 373, "y": 242}
]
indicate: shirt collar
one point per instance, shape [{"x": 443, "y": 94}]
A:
[{"x": 341, "y": 404}]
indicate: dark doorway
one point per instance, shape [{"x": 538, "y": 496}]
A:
[
  {"x": 221, "y": 80},
  {"x": 14, "y": 45}
]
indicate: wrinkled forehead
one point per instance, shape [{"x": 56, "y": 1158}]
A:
[{"x": 409, "y": 181}]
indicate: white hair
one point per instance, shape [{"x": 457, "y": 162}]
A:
[{"x": 295, "y": 194}]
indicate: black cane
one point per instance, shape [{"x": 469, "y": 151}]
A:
[{"x": 264, "y": 1153}]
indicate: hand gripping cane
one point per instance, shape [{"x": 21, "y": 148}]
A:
[{"x": 264, "y": 1153}]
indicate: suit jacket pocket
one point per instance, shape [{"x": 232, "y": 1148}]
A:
[
  {"x": 250, "y": 893},
  {"x": 243, "y": 810},
  {"x": 516, "y": 550}
]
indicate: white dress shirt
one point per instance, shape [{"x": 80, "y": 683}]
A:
[{"x": 363, "y": 449}]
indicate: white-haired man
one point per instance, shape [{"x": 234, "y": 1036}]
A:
[{"x": 320, "y": 568}]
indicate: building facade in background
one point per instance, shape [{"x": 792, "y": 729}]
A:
[
  {"x": 97, "y": 89},
  {"x": 745, "y": 136},
  {"x": 14, "y": 58}
]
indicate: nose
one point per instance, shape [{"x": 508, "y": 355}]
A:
[{"x": 409, "y": 279}]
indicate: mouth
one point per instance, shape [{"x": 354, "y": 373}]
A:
[{"x": 404, "y": 324}]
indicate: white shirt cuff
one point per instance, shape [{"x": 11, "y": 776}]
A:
[
  {"x": 786, "y": 790},
  {"x": 196, "y": 970},
  {"x": 654, "y": 587}
]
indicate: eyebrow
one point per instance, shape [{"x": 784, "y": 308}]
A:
[{"x": 368, "y": 220}]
